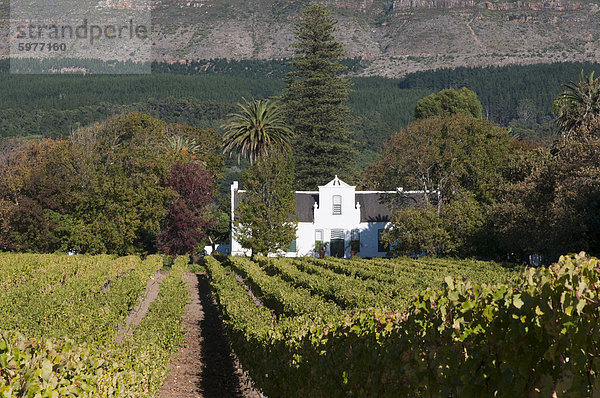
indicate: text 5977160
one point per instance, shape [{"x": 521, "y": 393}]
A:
[{"x": 41, "y": 47}]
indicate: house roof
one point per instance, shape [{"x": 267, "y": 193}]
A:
[
  {"x": 374, "y": 206},
  {"x": 305, "y": 202},
  {"x": 379, "y": 206},
  {"x": 371, "y": 208}
]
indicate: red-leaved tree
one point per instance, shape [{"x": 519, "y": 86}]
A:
[{"x": 188, "y": 218}]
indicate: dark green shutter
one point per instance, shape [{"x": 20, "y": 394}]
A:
[{"x": 292, "y": 248}]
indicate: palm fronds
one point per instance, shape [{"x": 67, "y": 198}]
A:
[
  {"x": 178, "y": 144},
  {"x": 256, "y": 131},
  {"x": 578, "y": 107}
]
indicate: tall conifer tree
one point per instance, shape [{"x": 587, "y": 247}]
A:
[{"x": 315, "y": 102}]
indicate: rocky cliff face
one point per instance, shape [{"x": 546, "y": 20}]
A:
[
  {"x": 394, "y": 37},
  {"x": 488, "y": 5}
]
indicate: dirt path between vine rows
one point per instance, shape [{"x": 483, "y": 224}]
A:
[
  {"x": 139, "y": 311},
  {"x": 206, "y": 366}
]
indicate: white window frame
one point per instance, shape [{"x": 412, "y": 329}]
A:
[{"x": 322, "y": 235}]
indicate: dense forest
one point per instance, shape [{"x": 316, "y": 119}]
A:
[{"x": 202, "y": 93}]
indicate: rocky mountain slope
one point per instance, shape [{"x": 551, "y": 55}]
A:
[{"x": 394, "y": 37}]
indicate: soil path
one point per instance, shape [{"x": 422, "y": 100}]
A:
[
  {"x": 205, "y": 367},
  {"x": 139, "y": 311}
]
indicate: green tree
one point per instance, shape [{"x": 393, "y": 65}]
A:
[
  {"x": 418, "y": 231},
  {"x": 197, "y": 144},
  {"x": 102, "y": 191},
  {"x": 315, "y": 101},
  {"x": 257, "y": 131},
  {"x": 454, "y": 154},
  {"x": 266, "y": 217},
  {"x": 178, "y": 145},
  {"x": 457, "y": 161},
  {"x": 462, "y": 228},
  {"x": 220, "y": 231},
  {"x": 555, "y": 209},
  {"x": 551, "y": 204},
  {"x": 578, "y": 107},
  {"x": 449, "y": 102},
  {"x": 123, "y": 172},
  {"x": 35, "y": 181}
]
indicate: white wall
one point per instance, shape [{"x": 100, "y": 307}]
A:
[
  {"x": 236, "y": 248},
  {"x": 223, "y": 249},
  {"x": 368, "y": 239},
  {"x": 305, "y": 241},
  {"x": 324, "y": 217},
  {"x": 326, "y": 221}
]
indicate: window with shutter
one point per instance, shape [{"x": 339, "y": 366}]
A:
[
  {"x": 292, "y": 248},
  {"x": 337, "y": 234},
  {"x": 337, "y": 205},
  {"x": 337, "y": 245}
]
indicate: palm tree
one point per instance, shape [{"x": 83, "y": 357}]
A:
[
  {"x": 578, "y": 107},
  {"x": 178, "y": 144},
  {"x": 183, "y": 148},
  {"x": 257, "y": 131}
]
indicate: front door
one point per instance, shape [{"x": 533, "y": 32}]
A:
[{"x": 336, "y": 248}]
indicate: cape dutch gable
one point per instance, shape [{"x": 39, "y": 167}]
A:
[{"x": 337, "y": 214}]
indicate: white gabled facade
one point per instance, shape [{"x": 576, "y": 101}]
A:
[{"x": 335, "y": 214}]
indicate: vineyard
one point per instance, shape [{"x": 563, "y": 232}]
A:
[
  {"x": 434, "y": 328},
  {"x": 306, "y": 327},
  {"x": 59, "y": 317}
]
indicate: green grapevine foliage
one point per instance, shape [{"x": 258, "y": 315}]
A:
[
  {"x": 533, "y": 334},
  {"x": 59, "y": 317}
]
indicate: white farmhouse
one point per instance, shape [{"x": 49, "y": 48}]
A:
[{"x": 337, "y": 214}]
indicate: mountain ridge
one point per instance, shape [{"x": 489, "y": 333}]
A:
[{"x": 393, "y": 37}]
